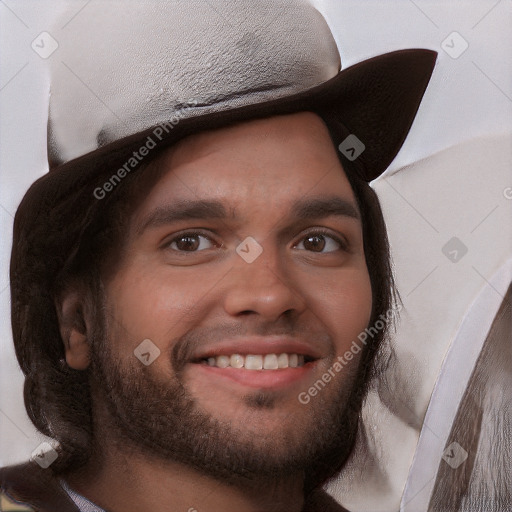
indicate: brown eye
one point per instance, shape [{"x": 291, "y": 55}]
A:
[
  {"x": 314, "y": 243},
  {"x": 190, "y": 242},
  {"x": 320, "y": 243}
]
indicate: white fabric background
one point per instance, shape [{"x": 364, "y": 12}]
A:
[{"x": 450, "y": 179}]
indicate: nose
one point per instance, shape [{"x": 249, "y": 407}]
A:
[{"x": 263, "y": 287}]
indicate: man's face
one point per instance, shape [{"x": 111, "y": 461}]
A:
[{"x": 182, "y": 284}]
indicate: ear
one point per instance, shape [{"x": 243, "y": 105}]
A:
[{"x": 74, "y": 331}]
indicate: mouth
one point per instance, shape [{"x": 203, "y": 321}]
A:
[
  {"x": 258, "y": 361},
  {"x": 260, "y": 370}
]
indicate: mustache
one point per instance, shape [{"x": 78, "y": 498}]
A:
[{"x": 185, "y": 346}]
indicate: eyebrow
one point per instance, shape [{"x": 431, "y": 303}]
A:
[
  {"x": 316, "y": 208},
  {"x": 182, "y": 210},
  {"x": 311, "y": 208}
]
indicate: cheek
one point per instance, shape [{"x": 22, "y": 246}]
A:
[
  {"x": 345, "y": 306},
  {"x": 144, "y": 304}
]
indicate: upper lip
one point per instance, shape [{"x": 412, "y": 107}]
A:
[{"x": 258, "y": 346}]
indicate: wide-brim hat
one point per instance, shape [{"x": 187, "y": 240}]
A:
[
  {"x": 129, "y": 75},
  {"x": 128, "y": 78}
]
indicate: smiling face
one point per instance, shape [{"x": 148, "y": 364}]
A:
[{"x": 245, "y": 266}]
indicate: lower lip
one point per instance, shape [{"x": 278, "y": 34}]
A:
[{"x": 259, "y": 378}]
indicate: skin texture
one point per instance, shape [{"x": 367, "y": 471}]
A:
[{"x": 182, "y": 435}]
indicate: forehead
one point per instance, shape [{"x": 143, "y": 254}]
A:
[{"x": 266, "y": 164}]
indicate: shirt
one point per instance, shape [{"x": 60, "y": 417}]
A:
[{"x": 81, "y": 502}]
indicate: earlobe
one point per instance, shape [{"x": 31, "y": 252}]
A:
[
  {"x": 77, "y": 351},
  {"x": 73, "y": 330}
]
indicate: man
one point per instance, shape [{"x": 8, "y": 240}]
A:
[{"x": 192, "y": 279}]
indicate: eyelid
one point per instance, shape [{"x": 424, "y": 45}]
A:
[
  {"x": 341, "y": 240},
  {"x": 168, "y": 240}
]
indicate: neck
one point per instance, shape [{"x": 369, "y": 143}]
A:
[{"x": 132, "y": 484}]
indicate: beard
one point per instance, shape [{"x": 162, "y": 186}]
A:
[{"x": 161, "y": 419}]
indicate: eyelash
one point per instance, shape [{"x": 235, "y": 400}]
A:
[
  {"x": 175, "y": 238},
  {"x": 316, "y": 231},
  {"x": 325, "y": 232}
]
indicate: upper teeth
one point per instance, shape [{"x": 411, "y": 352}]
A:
[{"x": 258, "y": 362}]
